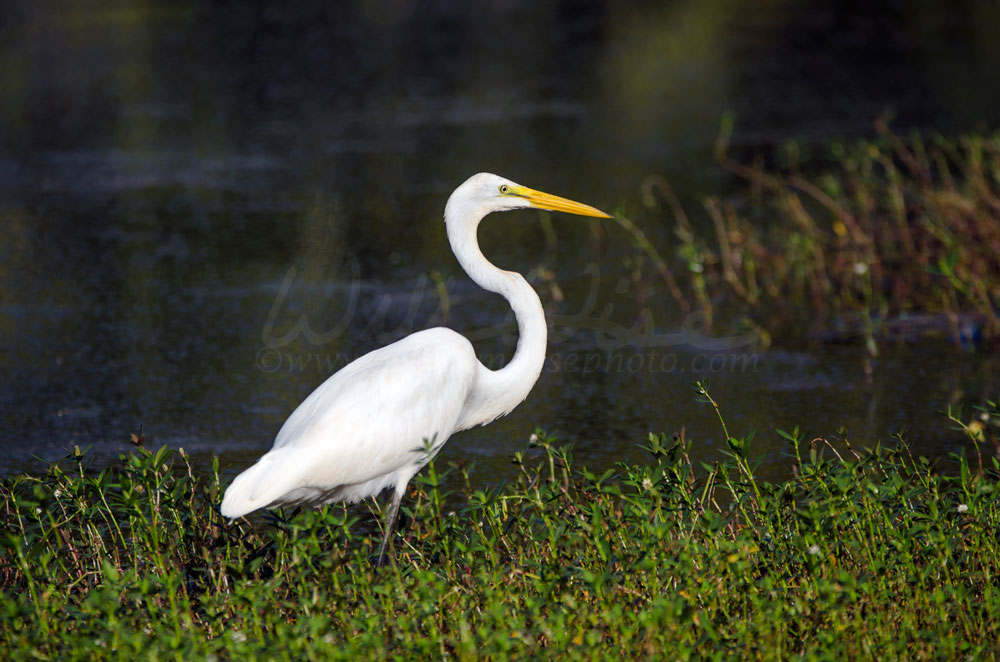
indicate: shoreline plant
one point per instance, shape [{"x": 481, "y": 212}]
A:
[
  {"x": 879, "y": 239},
  {"x": 859, "y": 554}
]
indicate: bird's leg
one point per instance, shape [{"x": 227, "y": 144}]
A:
[{"x": 397, "y": 498}]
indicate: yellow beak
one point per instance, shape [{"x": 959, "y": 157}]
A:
[{"x": 555, "y": 203}]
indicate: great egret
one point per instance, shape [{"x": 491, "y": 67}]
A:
[{"x": 377, "y": 421}]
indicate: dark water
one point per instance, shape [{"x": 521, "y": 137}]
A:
[{"x": 207, "y": 208}]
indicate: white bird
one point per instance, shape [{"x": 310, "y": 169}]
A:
[{"x": 380, "y": 419}]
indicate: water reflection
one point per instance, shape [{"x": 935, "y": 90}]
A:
[{"x": 165, "y": 167}]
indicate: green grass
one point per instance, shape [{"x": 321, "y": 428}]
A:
[
  {"x": 860, "y": 554},
  {"x": 886, "y": 238}
]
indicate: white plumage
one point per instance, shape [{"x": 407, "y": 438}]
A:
[{"x": 369, "y": 426}]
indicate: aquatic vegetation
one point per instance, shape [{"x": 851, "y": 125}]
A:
[
  {"x": 877, "y": 239},
  {"x": 859, "y": 554}
]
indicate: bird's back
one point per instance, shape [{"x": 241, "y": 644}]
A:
[{"x": 366, "y": 427}]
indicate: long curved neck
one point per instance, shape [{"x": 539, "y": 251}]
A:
[{"x": 496, "y": 392}]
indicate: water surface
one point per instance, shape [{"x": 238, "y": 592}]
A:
[{"x": 208, "y": 208}]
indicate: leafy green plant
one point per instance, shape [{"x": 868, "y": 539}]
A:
[{"x": 858, "y": 554}]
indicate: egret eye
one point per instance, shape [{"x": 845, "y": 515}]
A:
[{"x": 503, "y": 188}]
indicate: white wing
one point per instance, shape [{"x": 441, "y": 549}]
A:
[{"x": 365, "y": 427}]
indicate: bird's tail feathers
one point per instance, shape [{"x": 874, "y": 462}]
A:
[{"x": 261, "y": 485}]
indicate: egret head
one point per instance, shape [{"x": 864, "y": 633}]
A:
[{"x": 486, "y": 193}]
